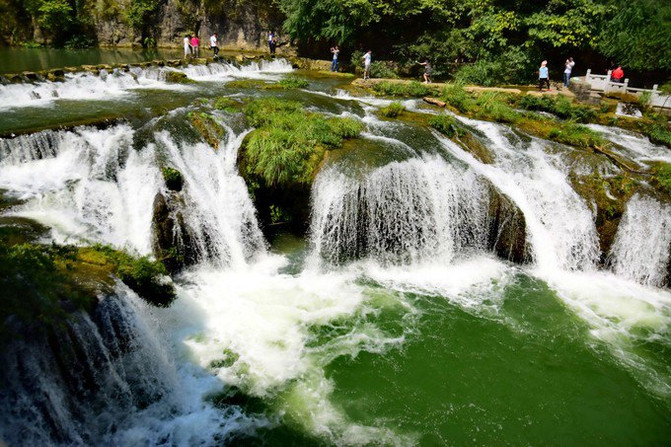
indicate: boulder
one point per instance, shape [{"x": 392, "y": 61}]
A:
[{"x": 507, "y": 229}]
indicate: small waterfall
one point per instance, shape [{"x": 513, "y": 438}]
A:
[
  {"x": 35, "y": 146},
  {"x": 71, "y": 385},
  {"x": 642, "y": 247},
  {"x": 94, "y": 185},
  {"x": 404, "y": 212},
  {"x": 117, "y": 83},
  {"x": 560, "y": 226}
]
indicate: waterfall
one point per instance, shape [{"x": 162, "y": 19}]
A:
[
  {"x": 642, "y": 247},
  {"x": 93, "y": 185},
  {"x": 560, "y": 226},
  {"x": 118, "y": 83},
  {"x": 404, "y": 212}
]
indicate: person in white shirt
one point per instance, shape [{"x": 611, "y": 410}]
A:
[
  {"x": 334, "y": 65},
  {"x": 187, "y": 46},
  {"x": 214, "y": 46},
  {"x": 366, "y": 65},
  {"x": 567, "y": 71}
]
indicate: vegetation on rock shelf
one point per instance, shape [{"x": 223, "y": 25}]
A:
[
  {"x": 392, "y": 110},
  {"x": 173, "y": 178},
  {"x": 211, "y": 131},
  {"x": 289, "y": 143}
]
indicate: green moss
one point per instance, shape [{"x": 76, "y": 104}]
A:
[
  {"x": 247, "y": 84},
  {"x": 143, "y": 275},
  {"x": 560, "y": 106},
  {"x": 290, "y": 142},
  {"x": 211, "y": 131},
  {"x": 173, "y": 178},
  {"x": 177, "y": 77}
]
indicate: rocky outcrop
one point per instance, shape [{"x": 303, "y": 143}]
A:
[
  {"x": 507, "y": 229},
  {"x": 171, "y": 242}
]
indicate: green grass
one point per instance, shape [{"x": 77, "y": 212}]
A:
[
  {"x": 226, "y": 104},
  {"x": 293, "y": 82},
  {"x": 289, "y": 143},
  {"x": 412, "y": 89},
  {"x": 458, "y": 98},
  {"x": 447, "y": 125},
  {"x": 662, "y": 177},
  {"x": 392, "y": 110},
  {"x": 560, "y": 106}
]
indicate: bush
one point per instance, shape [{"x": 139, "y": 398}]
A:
[
  {"x": 392, "y": 110},
  {"x": 380, "y": 69},
  {"x": 510, "y": 67},
  {"x": 659, "y": 134},
  {"x": 447, "y": 125}
]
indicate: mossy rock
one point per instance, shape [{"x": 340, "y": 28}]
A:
[
  {"x": 209, "y": 129},
  {"x": 177, "y": 77},
  {"x": 507, "y": 229},
  {"x": 171, "y": 240},
  {"x": 174, "y": 180}
]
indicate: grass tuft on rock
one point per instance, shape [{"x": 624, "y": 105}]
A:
[
  {"x": 447, "y": 125},
  {"x": 393, "y": 110},
  {"x": 293, "y": 82},
  {"x": 173, "y": 178},
  {"x": 413, "y": 89},
  {"x": 289, "y": 143}
]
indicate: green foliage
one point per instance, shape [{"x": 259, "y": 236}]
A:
[
  {"x": 494, "y": 106},
  {"x": 575, "y": 135},
  {"x": 392, "y": 110},
  {"x": 659, "y": 134},
  {"x": 559, "y": 105},
  {"x": 173, "y": 178},
  {"x": 380, "y": 69},
  {"x": 141, "y": 13},
  {"x": 79, "y": 41},
  {"x": 457, "y": 97},
  {"x": 226, "y": 104},
  {"x": 293, "y": 82},
  {"x": 208, "y": 128},
  {"x": 55, "y": 15},
  {"x": 279, "y": 215},
  {"x": 289, "y": 142},
  {"x": 447, "y": 125},
  {"x": 412, "y": 89},
  {"x": 510, "y": 67},
  {"x": 638, "y": 35},
  {"x": 35, "y": 284},
  {"x": 662, "y": 177},
  {"x": 144, "y": 276}
]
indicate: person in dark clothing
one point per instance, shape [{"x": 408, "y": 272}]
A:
[{"x": 427, "y": 71}]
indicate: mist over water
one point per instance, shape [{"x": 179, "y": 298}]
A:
[{"x": 392, "y": 322}]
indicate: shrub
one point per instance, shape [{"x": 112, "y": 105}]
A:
[
  {"x": 380, "y": 69},
  {"x": 659, "y": 134},
  {"x": 392, "y": 110},
  {"x": 561, "y": 106},
  {"x": 447, "y": 125}
]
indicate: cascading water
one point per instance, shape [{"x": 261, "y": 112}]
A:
[
  {"x": 117, "y": 83},
  {"x": 404, "y": 212},
  {"x": 642, "y": 247},
  {"x": 560, "y": 226}
]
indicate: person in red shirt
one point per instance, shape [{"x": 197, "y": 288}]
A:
[
  {"x": 617, "y": 75},
  {"x": 195, "y": 44}
]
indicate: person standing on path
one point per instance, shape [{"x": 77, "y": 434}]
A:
[
  {"x": 187, "y": 46},
  {"x": 366, "y": 65},
  {"x": 567, "y": 71},
  {"x": 334, "y": 65},
  {"x": 214, "y": 46},
  {"x": 195, "y": 46},
  {"x": 543, "y": 76},
  {"x": 427, "y": 71},
  {"x": 271, "y": 41}
]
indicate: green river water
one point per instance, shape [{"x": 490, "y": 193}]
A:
[{"x": 494, "y": 354}]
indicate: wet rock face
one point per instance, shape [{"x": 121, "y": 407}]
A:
[
  {"x": 171, "y": 242},
  {"x": 507, "y": 229}
]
